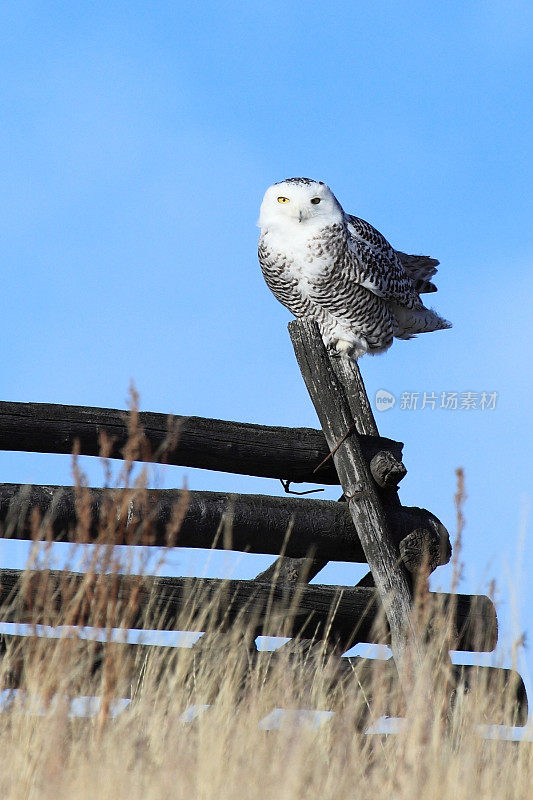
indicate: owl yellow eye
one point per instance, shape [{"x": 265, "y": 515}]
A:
[
  {"x": 283, "y": 200},
  {"x": 315, "y": 200}
]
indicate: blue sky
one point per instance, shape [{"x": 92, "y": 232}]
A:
[{"x": 136, "y": 142}]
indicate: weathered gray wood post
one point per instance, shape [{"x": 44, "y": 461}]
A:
[
  {"x": 336, "y": 415},
  {"x": 386, "y": 470}
]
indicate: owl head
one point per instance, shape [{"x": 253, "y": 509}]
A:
[{"x": 299, "y": 201}]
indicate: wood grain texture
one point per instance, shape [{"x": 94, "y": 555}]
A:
[
  {"x": 385, "y": 468},
  {"x": 238, "y": 447},
  {"x": 254, "y": 523},
  {"x": 349, "y": 376},
  {"x": 381, "y": 551},
  {"x": 346, "y": 614},
  {"x": 292, "y": 570}
]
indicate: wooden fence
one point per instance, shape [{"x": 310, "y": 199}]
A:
[{"x": 370, "y": 526}]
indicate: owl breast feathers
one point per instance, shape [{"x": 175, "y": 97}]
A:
[{"x": 339, "y": 270}]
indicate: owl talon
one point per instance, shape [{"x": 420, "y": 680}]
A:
[
  {"x": 333, "y": 352},
  {"x": 344, "y": 347}
]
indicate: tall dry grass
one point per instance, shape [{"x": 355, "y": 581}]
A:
[{"x": 202, "y": 721}]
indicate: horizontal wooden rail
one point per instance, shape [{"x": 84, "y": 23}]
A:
[
  {"x": 242, "y": 448},
  {"x": 131, "y": 661},
  {"x": 253, "y": 523},
  {"x": 344, "y": 615}
]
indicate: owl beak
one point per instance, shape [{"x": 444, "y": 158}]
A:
[{"x": 300, "y": 216}]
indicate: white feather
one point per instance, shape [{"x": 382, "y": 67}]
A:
[{"x": 337, "y": 269}]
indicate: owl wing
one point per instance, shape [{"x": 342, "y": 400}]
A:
[
  {"x": 377, "y": 265},
  {"x": 420, "y": 269}
]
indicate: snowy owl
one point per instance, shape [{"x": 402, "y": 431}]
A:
[{"x": 339, "y": 270}]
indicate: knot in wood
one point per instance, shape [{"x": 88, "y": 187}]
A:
[
  {"x": 420, "y": 551},
  {"x": 386, "y": 470}
]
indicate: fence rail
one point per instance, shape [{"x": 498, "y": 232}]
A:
[
  {"x": 255, "y": 523},
  {"x": 505, "y": 685},
  {"x": 346, "y": 615},
  {"x": 242, "y": 448},
  {"x": 402, "y": 545}
]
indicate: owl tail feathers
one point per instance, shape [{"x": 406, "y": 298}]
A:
[
  {"x": 420, "y": 269},
  {"x": 421, "y": 320}
]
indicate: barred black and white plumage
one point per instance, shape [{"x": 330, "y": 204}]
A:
[{"x": 338, "y": 269}]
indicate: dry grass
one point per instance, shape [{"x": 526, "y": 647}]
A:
[
  {"x": 152, "y": 750},
  {"x": 158, "y": 748}
]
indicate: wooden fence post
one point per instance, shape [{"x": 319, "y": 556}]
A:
[{"x": 366, "y": 509}]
